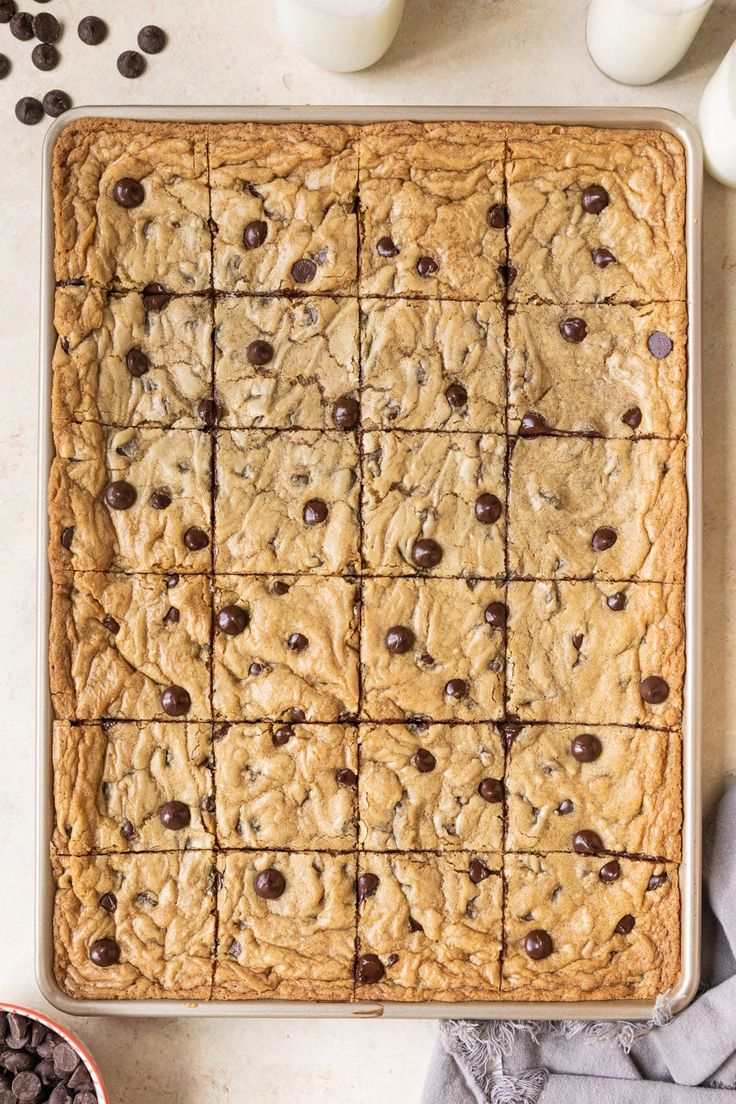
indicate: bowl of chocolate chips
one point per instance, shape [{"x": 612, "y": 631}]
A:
[{"x": 42, "y": 1063}]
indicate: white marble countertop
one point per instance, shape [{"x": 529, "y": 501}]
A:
[{"x": 523, "y": 52}]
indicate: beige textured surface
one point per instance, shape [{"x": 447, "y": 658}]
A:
[
  {"x": 563, "y": 490},
  {"x": 286, "y": 796},
  {"x": 297, "y": 946},
  {"x": 314, "y": 360},
  {"x": 96, "y": 672},
  {"x": 301, "y": 181},
  {"x": 564, "y": 896},
  {"x": 110, "y": 782},
  {"x": 407, "y": 809},
  {"x": 447, "y": 619},
  {"x": 412, "y": 352},
  {"x": 164, "y": 925},
  {"x": 456, "y": 954},
  {"x": 165, "y": 239},
  {"x": 631, "y": 795},
  {"x": 550, "y": 679},
  {"x": 589, "y": 386},
  {"x": 551, "y": 236},
  {"x": 256, "y": 673},
  {"x": 264, "y": 480}
]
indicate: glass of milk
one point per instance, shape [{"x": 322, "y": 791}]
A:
[
  {"x": 342, "y": 35},
  {"x": 717, "y": 121},
  {"x": 638, "y": 41}
]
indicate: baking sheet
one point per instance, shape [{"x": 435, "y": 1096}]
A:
[{"x": 690, "y": 868}]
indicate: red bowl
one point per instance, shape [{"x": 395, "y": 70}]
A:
[{"x": 73, "y": 1042}]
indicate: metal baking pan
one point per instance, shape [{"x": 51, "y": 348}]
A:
[{"x": 690, "y": 869}]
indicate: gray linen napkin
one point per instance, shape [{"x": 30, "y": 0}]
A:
[{"x": 688, "y": 1059}]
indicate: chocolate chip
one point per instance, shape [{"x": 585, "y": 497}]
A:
[
  {"x": 456, "y": 688},
  {"x": 259, "y": 353},
  {"x": 196, "y": 539},
  {"x": 478, "y": 871},
  {"x": 104, "y": 952},
  {"x": 427, "y": 266},
  {"x": 155, "y": 296},
  {"x": 56, "y": 102},
  {"x": 128, "y": 192},
  {"x": 21, "y": 26},
  {"x": 151, "y": 39},
  {"x": 175, "y": 701},
  {"x": 587, "y": 842},
  {"x": 610, "y": 871},
  {"x": 171, "y": 580},
  {"x": 659, "y": 344},
  {"x": 45, "y": 57},
  {"x": 92, "y": 30},
  {"x": 346, "y": 777},
  {"x": 8, "y": 9},
  {"x": 654, "y": 690},
  {"x": 508, "y": 274},
  {"x": 256, "y": 669},
  {"x": 346, "y": 412},
  {"x": 565, "y": 807},
  {"x": 279, "y": 587},
  {"x": 26, "y": 1087},
  {"x": 532, "y": 425},
  {"x": 160, "y": 500},
  {"x": 66, "y": 1059},
  {"x": 632, "y": 417},
  {"x": 297, "y": 642},
  {"x": 625, "y": 924},
  {"x": 5, "y": 66},
  {"x": 594, "y": 199},
  {"x": 46, "y": 27},
  {"x": 86, "y": 1098},
  {"x": 209, "y": 412},
  {"x": 656, "y": 881},
  {"x": 67, "y": 536},
  {"x": 255, "y": 234},
  {"x": 269, "y": 883},
  {"x": 174, "y": 815},
  {"x": 232, "y": 620},
  {"x": 136, "y": 361},
  {"x": 585, "y": 748},
  {"x": 60, "y": 1095},
  {"x": 111, "y": 625},
  {"x": 315, "y": 511},
  {"x": 282, "y": 735},
  {"x": 120, "y": 495},
  {"x": 399, "y": 639},
  {"x": 368, "y": 969},
  {"x": 108, "y": 902},
  {"x": 414, "y": 925},
  {"x": 573, "y": 329},
  {"x": 128, "y": 831},
  {"x": 367, "y": 885},
  {"x": 491, "y": 790},
  {"x": 424, "y": 761},
  {"x": 603, "y": 539},
  {"x": 303, "y": 271},
  {"x": 498, "y": 216},
  {"x": 577, "y": 641},
  {"x": 495, "y": 615},
  {"x": 488, "y": 509},
  {"x": 456, "y": 396},
  {"x": 386, "y": 247},
  {"x": 538, "y": 944},
  {"x": 426, "y": 552},
  {"x": 296, "y": 714},
  {"x": 131, "y": 64},
  {"x": 16, "y": 1061},
  {"x": 29, "y": 110},
  {"x": 617, "y": 601},
  {"x": 603, "y": 257}
]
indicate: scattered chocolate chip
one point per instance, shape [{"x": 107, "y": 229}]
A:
[
  {"x": 108, "y": 902},
  {"x": 104, "y": 952},
  {"x": 587, "y": 842},
  {"x": 426, "y": 552},
  {"x": 585, "y": 748},
  {"x": 209, "y": 412},
  {"x": 386, "y": 247},
  {"x": 346, "y": 412},
  {"x": 160, "y": 500},
  {"x": 491, "y": 790},
  {"x": 65, "y": 1059},
  {"x": 617, "y": 601},
  {"x": 573, "y": 329},
  {"x": 259, "y": 352},
  {"x": 45, "y": 57},
  {"x": 175, "y": 815},
  {"x": 195, "y": 539},
  {"x": 367, "y": 885},
  {"x": 26, "y": 1087},
  {"x": 368, "y": 969},
  {"x": 232, "y": 620},
  {"x": 603, "y": 257},
  {"x": 315, "y": 511},
  {"x": 282, "y": 735},
  {"x": 538, "y": 944},
  {"x": 297, "y": 642},
  {"x": 656, "y": 881},
  {"x": 128, "y": 192},
  {"x": 565, "y": 807},
  {"x": 456, "y": 688},
  {"x": 155, "y": 297},
  {"x": 532, "y": 425},
  {"x": 594, "y": 199},
  {"x": 603, "y": 539},
  {"x": 8, "y": 8},
  {"x": 577, "y": 641},
  {"x": 414, "y": 925},
  {"x": 625, "y": 924},
  {"x": 424, "y": 760},
  {"x": 131, "y": 64},
  {"x": 255, "y": 234},
  {"x": 120, "y": 495},
  {"x": 498, "y": 216},
  {"x": 15, "y": 1061},
  {"x": 428, "y": 661},
  {"x": 654, "y": 690},
  {"x": 346, "y": 777},
  {"x": 456, "y": 396},
  {"x": 659, "y": 344},
  {"x": 56, "y": 102},
  {"x": 488, "y": 509},
  {"x": 21, "y": 26},
  {"x": 136, "y": 361},
  {"x": 610, "y": 871},
  {"x": 29, "y": 110},
  {"x": 269, "y": 884},
  {"x": 175, "y": 701},
  {"x": 296, "y": 714},
  {"x": 5, "y": 66},
  {"x": 111, "y": 625},
  {"x": 399, "y": 639},
  {"x": 92, "y": 30},
  {"x": 279, "y": 587},
  {"x": 151, "y": 39},
  {"x": 171, "y": 580},
  {"x": 427, "y": 266},
  {"x": 495, "y": 615},
  {"x": 303, "y": 271},
  {"x": 67, "y": 536},
  {"x": 508, "y": 274},
  {"x": 128, "y": 831},
  {"x": 256, "y": 669},
  {"x": 46, "y": 27},
  {"x": 632, "y": 417}
]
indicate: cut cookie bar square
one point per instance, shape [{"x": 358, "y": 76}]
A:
[
  {"x": 432, "y": 648},
  {"x": 431, "y": 787},
  {"x": 286, "y": 926},
  {"x": 429, "y": 927},
  {"x": 285, "y": 648},
  {"x": 432, "y": 365},
  {"x": 571, "y": 934},
  {"x": 622, "y": 784},
  {"x": 432, "y": 211},
  {"x": 287, "y": 786},
  {"x": 131, "y": 205},
  {"x": 130, "y": 647},
  {"x": 595, "y": 653},
  {"x": 287, "y": 502},
  {"x": 283, "y": 204},
  {"x": 434, "y": 501},
  {"x": 583, "y": 508},
  {"x": 135, "y": 927},
  {"x": 133, "y": 787},
  {"x": 287, "y": 363}
]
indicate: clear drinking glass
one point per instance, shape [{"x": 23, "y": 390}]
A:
[
  {"x": 342, "y": 35},
  {"x": 717, "y": 121},
  {"x": 638, "y": 41}
]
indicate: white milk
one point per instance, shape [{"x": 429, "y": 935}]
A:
[
  {"x": 717, "y": 121},
  {"x": 342, "y": 35},
  {"x": 638, "y": 41}
]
